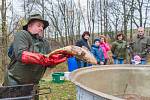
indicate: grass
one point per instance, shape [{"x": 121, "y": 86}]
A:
[{"x": 59, "y": 91}]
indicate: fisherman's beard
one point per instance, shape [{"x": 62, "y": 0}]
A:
[{"x": 140, "y": 36}]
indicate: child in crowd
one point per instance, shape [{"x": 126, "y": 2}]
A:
[
  {"x": 105, "y": 47},
  {"x": 98, "y": 52},
  {"x": 136, "y": 60}
]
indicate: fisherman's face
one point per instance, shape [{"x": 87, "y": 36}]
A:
[
  {"x": 140, "y": 31},
  {"x": 36, "y": 27}
]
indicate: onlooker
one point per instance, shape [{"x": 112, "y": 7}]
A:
[
  {"x": 119, "y": 49},
  {"x": 105, "y": 46},
  {"x": 84, "y": 44},
  {"x": 136, "y": 60},
  {"x": 141, "y": 46},
  {"x": 98, "y": 52}
]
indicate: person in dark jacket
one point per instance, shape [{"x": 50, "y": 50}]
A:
[
  {"x": 30, "y": 47},
  {"x": 140, "y": 46},
  {"x": 119, "y": 49},
  {"x": 97, "y": 51},
  {"x": 84, "y": 44}
]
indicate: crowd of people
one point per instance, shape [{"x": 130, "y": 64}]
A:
[{"x": 123, "y": 52}]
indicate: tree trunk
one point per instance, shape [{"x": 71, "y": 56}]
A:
[
  {"x": 131, "y": 27},
  {"x": 125, "y": 17},
  {"x": 4, "y": 39},
  {"x": 93, "y": 18},
  {"x": 101, "y": 18}
]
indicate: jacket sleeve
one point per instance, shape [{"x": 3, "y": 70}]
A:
[
  {"x": 21, "y": 43},
  {"x": 93, "y": 51},
  {"x": 79, "y": 43},
  {"x": 107, "y": 47},
  {"x": 102, "y": 55},
  {"x": 148, "y": 45},
  {"x": 113, "y": 47},
  {"x": 47, "y": 46}
]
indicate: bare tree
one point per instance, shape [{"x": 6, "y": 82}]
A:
[
  {"x": 67, "y": 19},
  {"x": 115, "y": 15},
  {"x": 101, "y": 18},
  {"x": 105, "y": 16},
  {"x": 93, "y": 18},
  {"x": 4, "y": 38},
  {"x": 141, "y": 8},
  {"x": 88, "y": 15},
  {"x": 131, "y": 23},
  {"x": 125, "y": 16},
  {"x": 146, "y": 13}
]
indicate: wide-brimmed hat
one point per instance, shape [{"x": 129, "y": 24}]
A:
[{"x": 36, "y": 17}]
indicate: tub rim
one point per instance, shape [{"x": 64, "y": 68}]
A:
[{"x": 76, "y": 73}]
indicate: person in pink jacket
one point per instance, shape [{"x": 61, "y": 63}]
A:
[{"x": 105, "y": 47}]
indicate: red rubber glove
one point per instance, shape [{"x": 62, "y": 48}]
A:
[
  {"x": 65, "y": 53},
  {"x": 37, "y": 58},
  {"x": 57, "y": 58}
]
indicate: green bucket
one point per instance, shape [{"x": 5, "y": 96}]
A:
[{"x": 58, "y": 77}]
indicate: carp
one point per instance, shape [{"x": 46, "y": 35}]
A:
[{"x": 78, "y": 52}]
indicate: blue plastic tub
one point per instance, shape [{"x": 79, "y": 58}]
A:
[{"x": 72, "y": 64}]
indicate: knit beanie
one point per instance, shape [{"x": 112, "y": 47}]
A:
[{"x": 97, "y": 39}]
